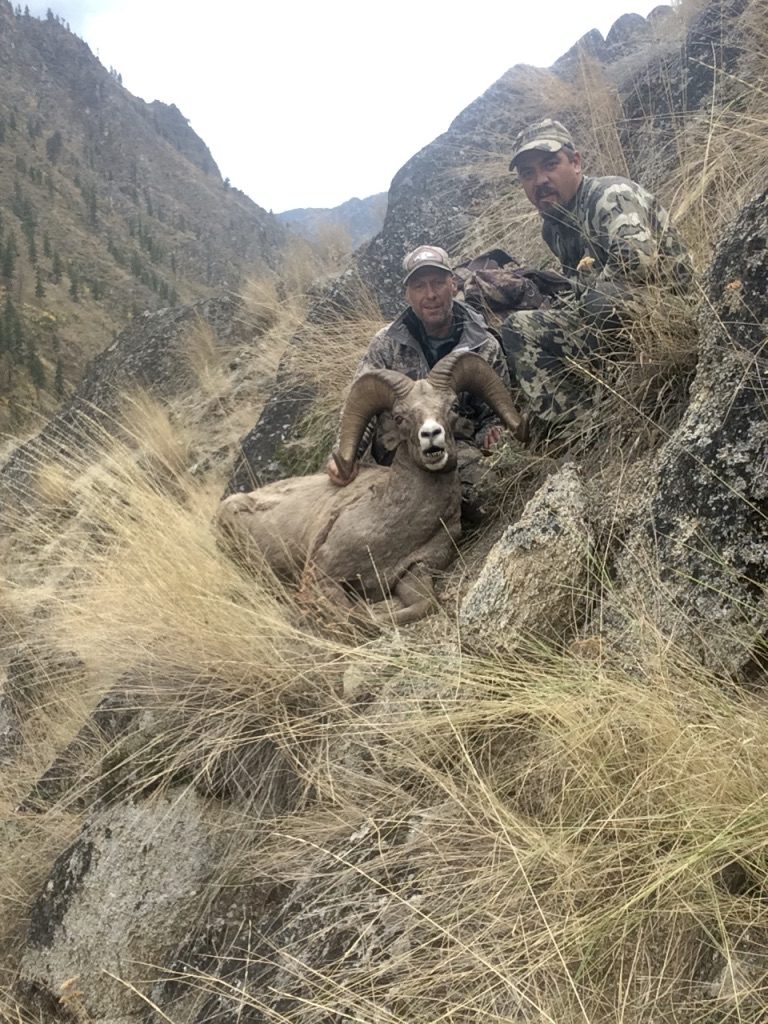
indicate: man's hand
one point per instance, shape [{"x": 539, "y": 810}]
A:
[
  {"x": 491, "y": 437},
  {"x": 332, "y": 469}
]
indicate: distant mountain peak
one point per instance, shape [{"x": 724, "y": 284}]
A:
[{"x": 361, "y": 219}]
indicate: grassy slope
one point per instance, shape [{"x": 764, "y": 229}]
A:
[{"x": 589, "y": 833}]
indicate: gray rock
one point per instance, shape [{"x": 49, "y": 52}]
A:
[
  {"x": 698, "y": 563},
  {"x": 534, "y": 581},
  {"x": 118, "y": 899},
  {"x": 10, "y": 733},
  {"x": 628, "y": 34}
]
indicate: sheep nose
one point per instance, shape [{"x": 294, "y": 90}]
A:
[{"x": 430, "y": 432}]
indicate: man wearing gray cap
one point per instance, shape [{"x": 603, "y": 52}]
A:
[
  {"x": 433, "y": 324},
  {"x": 614, "y": 242}
]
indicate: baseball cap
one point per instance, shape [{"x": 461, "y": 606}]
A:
[
  {"x": 426, "y": 256},
  {"x": 547, "y": 135}
]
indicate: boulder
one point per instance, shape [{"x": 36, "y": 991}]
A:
[
  {"x": 534, "y": 581},
  {"x": 117, "y": 901}
]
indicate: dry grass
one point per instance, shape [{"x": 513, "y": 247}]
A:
[
  {"x": 550, "y": 834},
  {"x": 560, "y": 836},
  {"x": 324, "y": 361}
]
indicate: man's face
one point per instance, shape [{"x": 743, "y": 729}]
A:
[
  {"x": 430, "y": 293},
  {"x": 549, "y": 179}
]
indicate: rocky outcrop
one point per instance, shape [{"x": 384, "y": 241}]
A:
[
  {"x": 152, "y": 354},
  {"x": 703, "y": 541},
  {"x": 117, "y": 901},
  {"x": 533, "y": 584}
]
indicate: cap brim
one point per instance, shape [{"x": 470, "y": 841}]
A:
[
  {"x": 426, "y": 263},
  {"x": 545, "y": 145}
]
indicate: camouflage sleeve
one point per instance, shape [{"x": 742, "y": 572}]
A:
[{"x": 622, "y": 222}]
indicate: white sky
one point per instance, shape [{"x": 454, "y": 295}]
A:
[{"x": 308, "y": 103}]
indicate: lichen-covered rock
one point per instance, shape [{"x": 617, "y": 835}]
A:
[
  {"x": 698, "y": 563},
  {"x": 118, "y": 899},
  {"x": 534, "y": 580}
]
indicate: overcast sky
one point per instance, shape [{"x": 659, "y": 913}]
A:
[{"x": 306, "y": 103}]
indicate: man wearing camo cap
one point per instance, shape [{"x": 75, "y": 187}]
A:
[
  {"x": 433, "y": 324},
  {"x": 613, "y": 239}
]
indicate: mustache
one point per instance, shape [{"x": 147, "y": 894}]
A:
[{"x": 544, "y": 190}]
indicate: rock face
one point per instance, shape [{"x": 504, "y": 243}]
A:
[
  {"x": 118, "y": 899},
  {"x": 533, "y": 583},
  {"x": 705, "y": 537}
]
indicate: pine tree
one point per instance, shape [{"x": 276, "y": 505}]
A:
[
  {"x": 9, "y": 256},
  {"x": 58, "y": 380},
  {"x": 13, "y": 339},
  {"x": 53, "y": 146},
  {"x": 35, "y": 366}
]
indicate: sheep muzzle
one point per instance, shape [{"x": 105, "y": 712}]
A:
[{"x": 433, "y": 445}]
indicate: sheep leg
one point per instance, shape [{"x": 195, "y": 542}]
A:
[{"x": 416, "y": 593}]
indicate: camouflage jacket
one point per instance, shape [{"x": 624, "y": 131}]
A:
[
  {"x": 398, "y": 347},
  {"x": 627, "y": 237}
]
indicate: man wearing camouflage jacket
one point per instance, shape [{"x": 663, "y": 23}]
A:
[
  {"x": 614, "y": 242},
  {"x": 432, "y": 325}
]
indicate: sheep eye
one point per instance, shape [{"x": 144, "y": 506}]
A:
[{"x": 398, "y": 419}]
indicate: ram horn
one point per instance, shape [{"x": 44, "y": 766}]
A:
[
  {"x": 371, "y": 393},
  {"x": 467, "y": 371}
]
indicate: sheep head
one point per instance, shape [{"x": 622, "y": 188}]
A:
[{"x": 424, "y": 411}]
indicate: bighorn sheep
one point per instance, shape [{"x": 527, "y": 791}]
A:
[{"x": 390, "y": 528}]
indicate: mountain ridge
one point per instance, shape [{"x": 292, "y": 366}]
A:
[
  {"x": 109, "y": 205},
  {"x": 360, "y": 219}
]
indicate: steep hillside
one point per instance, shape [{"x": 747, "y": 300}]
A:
[
  {"x": 357, "y": 220},
  {"x": 223, "y": 802},
  {"x": 108, "y": 206}
]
